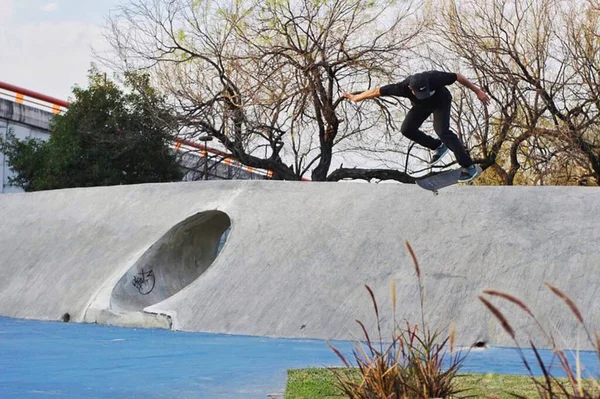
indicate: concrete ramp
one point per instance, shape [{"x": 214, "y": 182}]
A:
[
  {"x": 171, "y": 264},
  {"x": 291, "y": 259}
]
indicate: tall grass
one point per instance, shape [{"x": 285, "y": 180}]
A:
[
  {"x": 549, "y": 386},
  {"x": 414, "y": 362}
]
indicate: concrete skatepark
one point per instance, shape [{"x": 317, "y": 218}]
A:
[{"x": 290, "y": 259}]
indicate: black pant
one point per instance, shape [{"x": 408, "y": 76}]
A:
[{"x": 439, "y": 106}]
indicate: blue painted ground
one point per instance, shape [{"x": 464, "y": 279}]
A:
[{"x": 46, "y": 359}]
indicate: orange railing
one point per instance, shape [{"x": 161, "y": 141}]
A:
[
  {"x": 226, "y": 158},
  {"x": 22, "y": 96}
]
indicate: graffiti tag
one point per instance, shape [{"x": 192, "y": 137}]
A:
[{"x": 144, "y": 282}]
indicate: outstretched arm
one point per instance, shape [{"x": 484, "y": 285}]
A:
[
  {"x": 363, "y": 96},
  {"x": 481, "y": 95}
]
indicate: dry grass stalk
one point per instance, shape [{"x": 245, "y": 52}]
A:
[
  {"x": 524, "y": 307},
  {"x": 366, "y": 334},
  {"x": 373, "y": 300},
  {"x": 598, "y": 344},
  {"x": 452, "y": 336},
  {"x": 567, "y": 300},
  {"x": 420, "y": 280},
  {"x": 393, "y": 296},
  {"x": 562, "y": 358},
  {"x": 414, "y": 258},
  {"x": 376, "y": 314},
  {"x": 510, "y": 298},
  {"x": 338, "y": 353},
  {"x": 498, "y": 314}
]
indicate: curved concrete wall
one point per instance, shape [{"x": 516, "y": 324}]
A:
[
  {"x": 175, "y": 261},
  {"x": 298, "y": 255}
]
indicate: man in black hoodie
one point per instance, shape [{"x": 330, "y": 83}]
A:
[{"x": 428, "y": 94}]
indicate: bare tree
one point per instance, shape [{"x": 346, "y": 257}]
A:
[
  {"x": 265, "y": 77},
  {"x": 539, "y": 63}
]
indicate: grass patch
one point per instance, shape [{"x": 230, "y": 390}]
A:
[
  {"x": 319, "y": 383},
  {"x": 314, "y": 383}
]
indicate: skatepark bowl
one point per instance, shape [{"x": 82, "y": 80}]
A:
[
  {"x": 72, "y": 360},
  {"x": 191, "y": 245}
]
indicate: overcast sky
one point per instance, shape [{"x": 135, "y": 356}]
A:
[{"x": 46, "y": 45}]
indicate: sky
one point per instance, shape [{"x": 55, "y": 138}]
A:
[{"x": 46, "y": 45}]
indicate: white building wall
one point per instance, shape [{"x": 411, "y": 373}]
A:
[
  {"x": 21, "y": 132},
  {"x": 23, "y": 121},
  {"x": 3, "y": 126}
]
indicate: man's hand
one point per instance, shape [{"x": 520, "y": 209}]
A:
[
  {"x": 362, "y": 96},
  {"x": 351, "y": 97},
  {"x": 483, "y": 97}
]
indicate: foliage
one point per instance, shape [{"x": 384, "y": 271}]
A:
[
  {"x": 412, "y": 365},
  {"x": 106, "y": 137}
]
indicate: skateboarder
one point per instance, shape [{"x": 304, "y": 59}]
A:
[{"x": 428, "y": 94}]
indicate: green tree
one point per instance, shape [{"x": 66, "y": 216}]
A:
[{"x": 107, "y": 136}]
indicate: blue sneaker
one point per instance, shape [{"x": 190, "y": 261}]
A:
[
  {"x": 438, "y": 154},
  {"x": 469, "y": 173}
]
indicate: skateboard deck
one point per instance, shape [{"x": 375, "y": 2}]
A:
[{"x": 441, "y": 180}]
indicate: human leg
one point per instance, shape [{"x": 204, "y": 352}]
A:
[
  {"x": 413, "y": 121},
  {"x": 441, "y": 125}
]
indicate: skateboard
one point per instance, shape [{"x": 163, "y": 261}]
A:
[{"x": 436, "y": 182}]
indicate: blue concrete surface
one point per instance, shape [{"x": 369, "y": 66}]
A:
[{"x": 50, "y": 359}]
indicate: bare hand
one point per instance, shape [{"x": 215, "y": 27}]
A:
[
  {"x": 483, "y": 97},
  {"x": 350, "y": 97}
]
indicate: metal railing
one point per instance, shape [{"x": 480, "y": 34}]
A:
[{"x": 24, "y": 96}]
